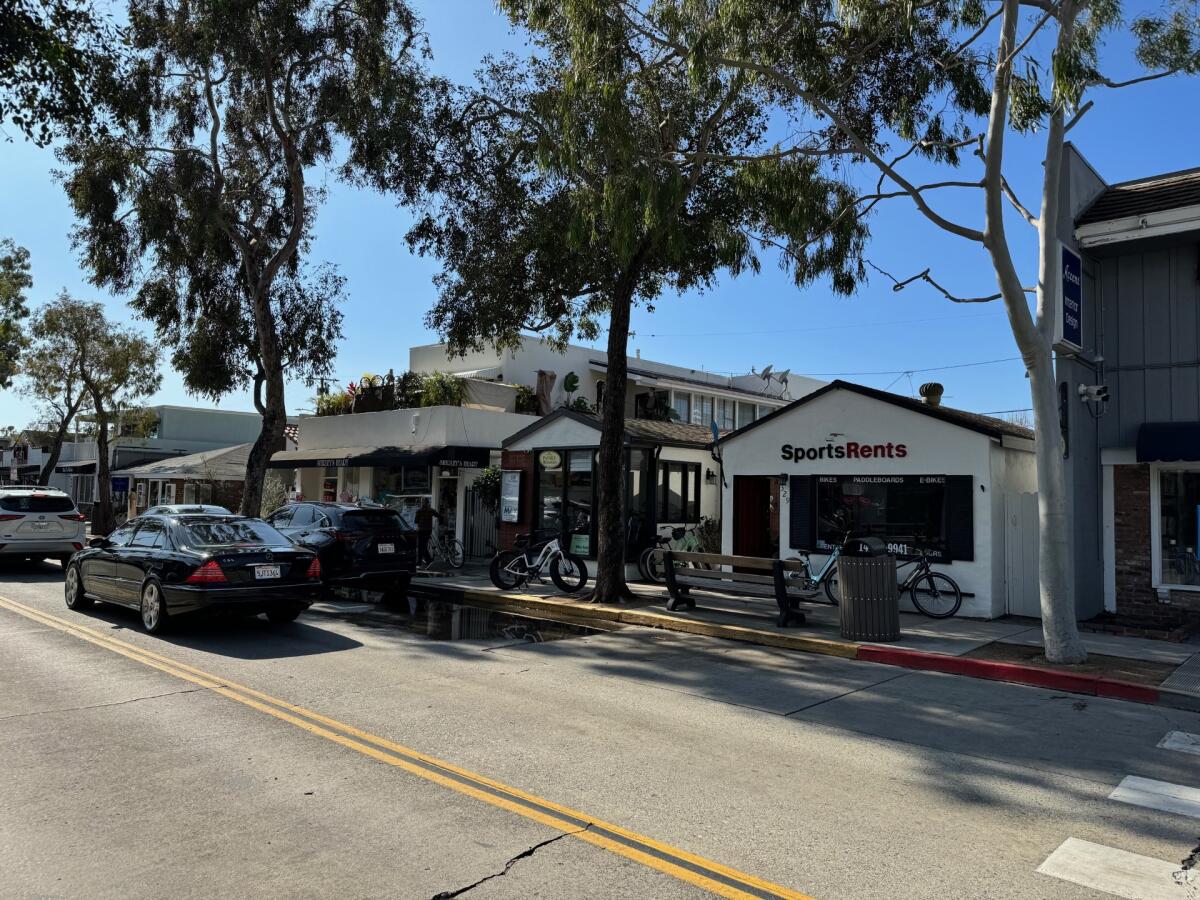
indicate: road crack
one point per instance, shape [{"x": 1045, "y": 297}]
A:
[
  {"x": 46, "y": 712},
  {"x": 524, "y": 854}
]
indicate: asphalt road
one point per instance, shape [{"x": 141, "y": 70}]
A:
[{"x": 335, "y": 758}]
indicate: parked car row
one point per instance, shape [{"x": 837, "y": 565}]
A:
[{"x": 187, "y": 559}]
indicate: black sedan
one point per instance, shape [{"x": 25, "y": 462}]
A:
[
  {"x": 360, "y": 546},
  {"x": 168, "y": 566}
]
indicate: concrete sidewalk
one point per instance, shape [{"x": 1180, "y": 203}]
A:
[{"x": 924, "y": 643}]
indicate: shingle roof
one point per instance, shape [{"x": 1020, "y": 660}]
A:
[
  {"x": 974, "y": 421},
  {"x": 675, "y": 434},
  {"x": 1146, "y": 195},
  {"x": 225, "y": 464}
]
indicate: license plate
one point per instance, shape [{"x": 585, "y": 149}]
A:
[
  {"x": 39, "y": 526},
  {"x": 386, "y": 548},
  {"x": 266, "y": 571}
]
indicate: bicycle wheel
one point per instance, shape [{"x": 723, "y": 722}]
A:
[
  {"x": 568, "y": 572},
  {"x": 455, "y": 554},
  {"x": 833, "y": 590},
  {"x": 508, "y": 570},
  {"x": 650, "y": 564},
  {"x": 936, "y": 595}
]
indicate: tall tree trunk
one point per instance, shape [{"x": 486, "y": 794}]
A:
[
  {"x": 610, "y": 471},
  {"x": 60, "y": 435},
  {"x": 274, "y": 411},
  {"x": 102, "y": 512}
]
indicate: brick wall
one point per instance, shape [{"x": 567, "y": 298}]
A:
[
  {"x": 1134, "y": 576},
  {"x": 522, "y": 460}
]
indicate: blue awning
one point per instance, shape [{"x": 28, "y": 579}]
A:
[{"x": 1168, "y": 442}]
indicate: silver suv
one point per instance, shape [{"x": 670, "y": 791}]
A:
[{"x": 39, "y": 523}]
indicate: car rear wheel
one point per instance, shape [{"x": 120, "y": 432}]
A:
[
  {"x": 153, "y": 609},
  {"x": 283, "y": 614},
  {"x": 73, "y": 590}
]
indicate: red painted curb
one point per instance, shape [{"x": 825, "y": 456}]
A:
[
  {"x": 1126, "y": 690},
  {"x": 1011, "y": 672}
]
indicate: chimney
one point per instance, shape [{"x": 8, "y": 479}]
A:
[{"x": 931, "y": 393}]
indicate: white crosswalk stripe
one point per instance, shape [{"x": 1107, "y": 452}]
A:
[
  {"x": 1113, "y": 871},
  {"x": 1161, "y": 795},
  {"x": 1181, "y": 741}
]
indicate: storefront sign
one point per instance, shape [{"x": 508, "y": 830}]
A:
[
  {"x": 1069, "y": 321},
  {"x": 332, "y": 463},
  {"x": 550, "y": 459},
  {"x": 510, "y": 496},
  {"x": 120, "y": 484},
  {"x": 848, "y": 450},
  {"x": 581, "y": 544}
]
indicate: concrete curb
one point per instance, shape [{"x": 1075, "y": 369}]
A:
[{"x": 1012, "y": 673}]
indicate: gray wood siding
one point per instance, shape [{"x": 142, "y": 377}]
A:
[{"x": 1151, "y": 339}]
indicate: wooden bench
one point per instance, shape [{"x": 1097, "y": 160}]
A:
[{"x": 765, "y": 578}]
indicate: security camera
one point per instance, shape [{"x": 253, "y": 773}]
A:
[{"x": 1093, "y": 393}]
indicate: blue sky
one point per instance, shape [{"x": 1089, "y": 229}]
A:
[{"x": 744, "y": 322}]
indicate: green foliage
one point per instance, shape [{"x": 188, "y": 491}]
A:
[
  {"x": 487, "y": 487},
  {"x": 52, "y": 54},
  {"x": 527, "y": 402},
  {"x": 570, "y": 383},
  {"x": 338, "y": 403},
  {"x": 708, "y": 534},
  {"x": 274, "y": 493},
  {"x": 442, "y": 389},
  {"x": 581, "y": 404},
  {"x": 15, "y": 280}
]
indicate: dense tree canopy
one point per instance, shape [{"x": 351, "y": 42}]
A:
[
  {"x": 15, "y": 280},
  {"x": 604, "y": 172},
  {"x": 53, "y": 54},
  {"x": 202, "y": 205}
]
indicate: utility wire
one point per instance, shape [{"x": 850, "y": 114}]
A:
[
  {"x": 815, "y": 328},
  {"x": 986, "y": 362}
]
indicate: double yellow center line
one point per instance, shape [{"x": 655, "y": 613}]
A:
[{"x": 695, "y": 870}]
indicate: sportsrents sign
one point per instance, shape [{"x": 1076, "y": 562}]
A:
[{"x": 847, "y": 450}]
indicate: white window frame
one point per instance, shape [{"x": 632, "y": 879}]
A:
[{"x": 1156, "y": 526}]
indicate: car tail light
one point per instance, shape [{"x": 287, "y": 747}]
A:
[
  {"x": 314, "y": 569},
  {"x": 209, "y": 573},
  {"x": 77, "y": 545},
  {"x": 74, "y": 517},
  {"x": 10, "y": 518}
]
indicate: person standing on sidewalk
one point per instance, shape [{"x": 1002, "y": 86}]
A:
[{"x": 424, "y": 522}]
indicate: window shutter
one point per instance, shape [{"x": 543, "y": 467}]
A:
[
  {"x": 800, "y": 515},
  {"x": 960, "y": 517}
]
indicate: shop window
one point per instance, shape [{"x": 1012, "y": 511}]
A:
[
  {"x": 678, "y": 492},
  {"x": 746, "y": 413},
  {"x": 1179, "y": 510},
  {"x": 551, "y": 480},
  {"x": 911, "y": 513},
  {"x": 579, "y": 501},
  {"x": 702, "y": 411}
]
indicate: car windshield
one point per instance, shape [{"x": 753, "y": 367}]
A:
[
  {"x": 372, "y": 520},
  {"x": 218, "y": 533},
  {"x": 36, "y": 503}
]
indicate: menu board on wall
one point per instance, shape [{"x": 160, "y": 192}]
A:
[{"x": 510, "y": 496}]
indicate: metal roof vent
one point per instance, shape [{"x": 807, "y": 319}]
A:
[{"x": 931, "y": 392}]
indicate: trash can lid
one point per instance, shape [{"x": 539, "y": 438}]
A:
[{"x": 866, "y": 546}]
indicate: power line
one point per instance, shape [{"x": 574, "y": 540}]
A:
[
  {"x": 1000, "y": 412},
  {"x": 986, "y": 362},
  {"x": 815, "y": 328}
]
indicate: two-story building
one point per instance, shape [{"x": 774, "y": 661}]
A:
[{"x": 1129, "y": 384}]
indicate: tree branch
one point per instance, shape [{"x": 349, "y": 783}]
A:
[{"x": 925, "y": 276}]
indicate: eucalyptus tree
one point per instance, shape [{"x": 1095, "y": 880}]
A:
[
  {"x": 53, "y": 54},
  {"x": 200, "y": 198},
  {"x": 15, "y": 280},
  {"x": 1043, "y": 66},
  {"x": 602, "y": 172},
  {"x": 52, "y": 369}
]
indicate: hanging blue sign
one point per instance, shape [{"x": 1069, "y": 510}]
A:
[
  {"x": 1070, "y": 312},
  {"x": 120, "y": 484}
]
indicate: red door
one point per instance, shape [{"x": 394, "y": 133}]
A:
[{"x": 755, "y": 516}]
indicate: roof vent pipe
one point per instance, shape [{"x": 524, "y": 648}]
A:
[{"x": 931, "y": 392}]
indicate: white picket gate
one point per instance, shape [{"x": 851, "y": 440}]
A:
[{"x": 1021, "y": 555}]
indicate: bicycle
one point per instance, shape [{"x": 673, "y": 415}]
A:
[
  {"x": 450, "y": 551},
  {"x": 511, "y": 569},
  {"x": 934, "y": 594},
  {"x": 650, "y": 562}
]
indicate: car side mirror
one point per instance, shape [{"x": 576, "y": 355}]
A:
[{"x": 100, "y": 542}]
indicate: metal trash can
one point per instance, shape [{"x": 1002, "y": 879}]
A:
[{"x": 870, "y": 598}]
